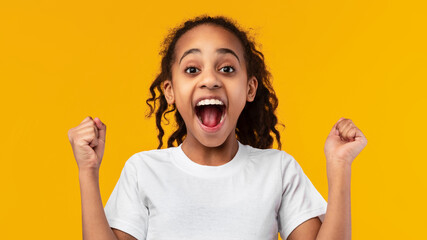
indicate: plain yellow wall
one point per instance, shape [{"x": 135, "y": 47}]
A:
[{"x": 63, "y": 61}]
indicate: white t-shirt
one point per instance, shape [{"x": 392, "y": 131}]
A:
[{"x": 162, "y": 195}]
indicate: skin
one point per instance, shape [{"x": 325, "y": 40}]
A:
[
  {"x": 343, "y": 144},
  {"x": 210, "y": 77}
]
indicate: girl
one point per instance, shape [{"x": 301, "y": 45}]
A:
[{"x": 222, "y": 180}]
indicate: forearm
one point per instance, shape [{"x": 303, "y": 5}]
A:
[
  {"x": 337, "y": 222},
  {"x": 95, "y": 224}
]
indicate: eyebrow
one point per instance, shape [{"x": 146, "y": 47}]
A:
[{"x": 219, "y": 50}]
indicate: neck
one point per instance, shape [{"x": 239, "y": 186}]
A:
[{"x": 210, "y": 156}]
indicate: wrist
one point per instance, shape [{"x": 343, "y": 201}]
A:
[
  {"x": 338, "y": 172},
  {"x": 338, "y": 163},
  {"x": 88, "y": 173}
]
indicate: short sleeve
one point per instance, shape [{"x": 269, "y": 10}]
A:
[
  {"x": 125, "y": 209},
  {"x": 300, "y": 199}
]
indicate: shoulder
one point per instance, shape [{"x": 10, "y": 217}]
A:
[
  {"x": 263, "y": 153},
  {"x": 274, "y": 158},
  {"x": 271, "y": 155},
  {"x": 278, "y": 159},
  {"x": 152, "y": 154},
  {"x": 149, "y": 157}
]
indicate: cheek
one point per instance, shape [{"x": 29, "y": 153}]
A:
[
  {"x": 182, "y": 95},
  {"x": 238, "y": 100}
]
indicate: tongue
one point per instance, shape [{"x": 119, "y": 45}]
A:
[{"x": 210, "y": 115}]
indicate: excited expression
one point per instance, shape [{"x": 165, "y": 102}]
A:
[{"x": 209, "y": 85}]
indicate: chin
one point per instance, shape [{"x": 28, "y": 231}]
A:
[{"x": 215, "y": 140}]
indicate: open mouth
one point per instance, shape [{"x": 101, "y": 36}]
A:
[{"x": 210, "y": 112}]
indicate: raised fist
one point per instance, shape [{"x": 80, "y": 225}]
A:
[
  {"x": 344, "y": 142},
  {"x": 88, "y": 143}
]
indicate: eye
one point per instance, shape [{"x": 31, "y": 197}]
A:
[
  {"x": 228, "y": 69},
  {"x": 192, "y": 69}
]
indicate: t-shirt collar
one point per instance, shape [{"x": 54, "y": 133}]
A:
[{"x": 184, "y": 163}]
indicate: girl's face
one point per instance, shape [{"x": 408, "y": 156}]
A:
[{"x": 209, "y": 84}]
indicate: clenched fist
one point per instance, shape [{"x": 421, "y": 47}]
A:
[
  {"x": 344, "y": 142},
  {"x": 88, "y": 143}
]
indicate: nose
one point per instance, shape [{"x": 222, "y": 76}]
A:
[{"x": 210, "y": 80}]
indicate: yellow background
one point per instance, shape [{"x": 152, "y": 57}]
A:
[{"x": 63, "y": 61}]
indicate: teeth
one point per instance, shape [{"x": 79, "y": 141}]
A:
[{"x": 210, "y": 102}]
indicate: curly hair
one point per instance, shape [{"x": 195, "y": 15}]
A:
[{"x": 258, "y": 117}]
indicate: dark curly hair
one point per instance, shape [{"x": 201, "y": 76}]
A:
[{"x": 258, "y": 117}]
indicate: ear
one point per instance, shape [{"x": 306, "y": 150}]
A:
[
  {"x": 252, "y": 87},
  {"x": 168, "y": 91}
]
